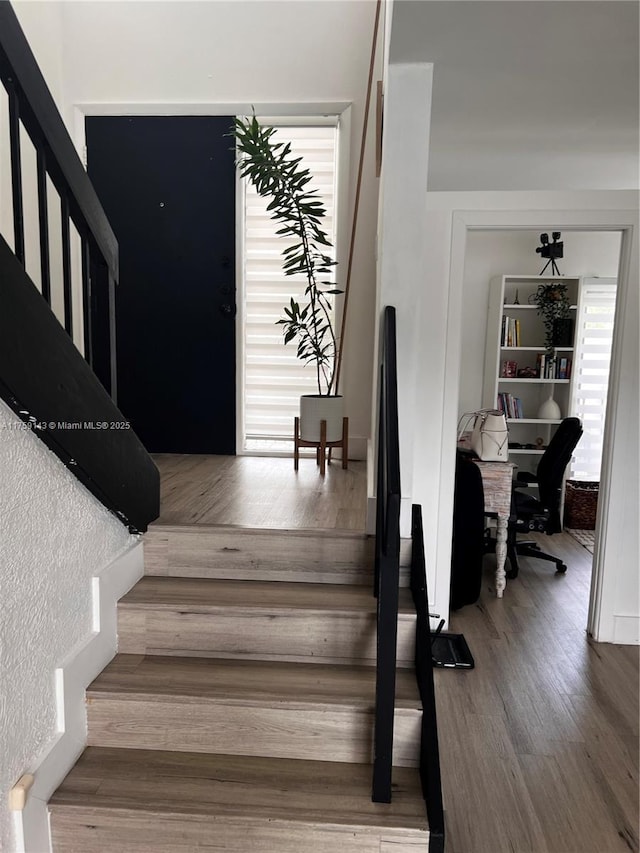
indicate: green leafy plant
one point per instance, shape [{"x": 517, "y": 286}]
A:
[
  {"x": 278, "y": 175},
  {"x": 553, "y": 304}
]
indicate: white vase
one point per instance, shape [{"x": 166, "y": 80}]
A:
[
  {"x": 549, "y": 410},
  {"x": 315, "y": 408}
]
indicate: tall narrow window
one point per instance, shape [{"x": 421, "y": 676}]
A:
[
  {"x": 594, "y": 336},
  {"x": 274, "y": 379}
]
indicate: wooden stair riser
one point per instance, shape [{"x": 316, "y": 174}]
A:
[
  {"x": 320, "y": 637},
  {"x": 272, "y": 555},
  {"x": 86, "y": 830},
  {"x": 320, "y": 732}
]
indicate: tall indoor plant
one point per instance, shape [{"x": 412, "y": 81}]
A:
[
  {"x": 552, "y": 301},
  {"x": 280, "y": 177}
]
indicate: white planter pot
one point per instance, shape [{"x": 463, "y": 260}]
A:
[{"x": 315, "y": 408}]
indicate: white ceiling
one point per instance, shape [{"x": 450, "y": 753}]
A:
[{"x": 536, "y": 94}]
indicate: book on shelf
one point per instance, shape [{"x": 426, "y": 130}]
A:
[
  {"x": 564, "y": 368},
  {"x": 545, "y": 365},
  {"x": 511, "y": 406},
  {"x": 550, "y": 368},
  {"x": 510, "y": 332},
  {"x": 553, "y": 367},
  {"x": 509, "y": 369}
]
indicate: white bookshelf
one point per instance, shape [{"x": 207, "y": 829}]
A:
[{"x": 532, "y": 391}]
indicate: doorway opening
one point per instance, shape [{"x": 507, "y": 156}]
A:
[{"x": 504, "y": 373}]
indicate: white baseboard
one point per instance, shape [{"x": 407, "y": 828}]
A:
[
  {"x": 626, "y": 630},
  {"x": 358, "y": 447},
  {"x": 72, "y": 678}
]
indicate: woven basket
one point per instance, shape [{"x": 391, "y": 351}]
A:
[{"x": 580, "y": 505}]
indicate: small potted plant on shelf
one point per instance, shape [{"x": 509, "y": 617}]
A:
[
  {"x": 279, "y": 176},
  {"x": 553, "y": 305}
]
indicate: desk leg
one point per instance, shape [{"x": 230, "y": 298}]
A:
[{"x": 501, "y": 554}]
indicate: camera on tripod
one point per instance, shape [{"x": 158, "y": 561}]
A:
[{"x": 551, "y": 251}]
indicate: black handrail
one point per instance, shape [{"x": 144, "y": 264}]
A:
[
  {"x": 429, "y": 749},
  {"x": 67, "y": 400},
  {"x": 48, "y": 384},
  {"x": 387, "y": 561},
  {"x": 32, "y": 106}
]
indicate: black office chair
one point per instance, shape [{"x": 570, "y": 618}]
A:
[{"x": 541, "y": 514}]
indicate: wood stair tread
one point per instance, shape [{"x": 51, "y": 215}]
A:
[
  {"x": 276, "y": 683},
  {"x": 293, "y": 790},
  {"x": 203, "y": 595},
  {"x": 329, "y": 533}
]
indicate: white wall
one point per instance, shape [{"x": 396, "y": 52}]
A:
[
  {"x": 616, "y": 588},
  {"x": 207, "y": 54},
  {"x": 55, "y": 538},
  {"x": 402, "y": 256},
  {"x": 527, "y": 95},
  {"x": 495, "y": 253}
]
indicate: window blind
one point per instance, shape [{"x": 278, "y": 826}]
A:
[
  {"x": 274, "y": 379},
  {"x": 594, "y": 336}
]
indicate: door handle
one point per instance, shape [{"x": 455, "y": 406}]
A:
[{"x": 227, "y": 309}]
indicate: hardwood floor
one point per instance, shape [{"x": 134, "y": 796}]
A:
[
  {"x": 257, "y": 491},
  {"x": 539, "y": 743}
]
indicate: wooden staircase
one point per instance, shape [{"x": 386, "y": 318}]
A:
[{"x": 238, "y": 714}]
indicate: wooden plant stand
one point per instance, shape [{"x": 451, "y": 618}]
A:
[{"x": 322, "y": 445}]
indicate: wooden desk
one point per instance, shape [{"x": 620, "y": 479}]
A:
[{"x": 497, "y": 484}]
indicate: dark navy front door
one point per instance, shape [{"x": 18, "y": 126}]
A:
[{"x": 167, "y": 185}]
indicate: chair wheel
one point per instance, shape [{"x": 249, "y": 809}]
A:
[{"x": 561, "y": 569}]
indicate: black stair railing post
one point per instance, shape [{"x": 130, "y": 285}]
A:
[
  {"x": 387, "y": 568},
  {"x": 67, "y": 289},
  {"x": 430, "y": 776},
  {"x": 113, "y": 367},
  {"x": 98, "y": 306},
  {"x": 380, "y": 489},
  {"x": 16, "y": 172},
  {"x": 386, "y": 656},
  {"x": 86, "y": 301},
  {"x": 43, "y": 224}
]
